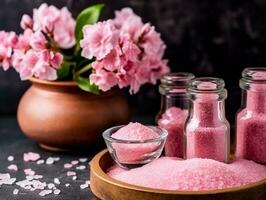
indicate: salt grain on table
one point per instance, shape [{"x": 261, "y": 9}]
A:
[
  {"x": 45, "y": 192},
  {"x": 13, "y": 167},
  {"x": 50, "y": 161},
  {"x": 56, "y": 181},
  {"x": 71, "y": 173},
  {"x": 30, "y": 156},
  {"x": 68, "y": 166},
  {"x": 81, "y": 167},
  {"x": 74, "y": 162},
  {"x": 51, "y": 185},
  {"x": 83, "y": 160},
  {"x": 56, "y": 192},
  {"x": 5, "y": 179},
  {"x": 29, "y": 172},
  {"x": 10, "y": 158},
  {"x": 15, "y": 191},
  {"x": 39, "y": 162}
]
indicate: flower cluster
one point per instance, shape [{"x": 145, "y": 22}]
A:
[
  {"x": 127, "y": 52},
  {"x": 36, "y": 52}
]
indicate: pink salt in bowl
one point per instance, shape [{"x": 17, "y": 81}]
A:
[
  {"x": 107, "y": 188},
  {"x": 134, "y": 145}
]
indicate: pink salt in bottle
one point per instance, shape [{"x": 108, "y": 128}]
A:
[
  {"x": 207, "y": 132},
  {"x": 174, "y": 110},
  {"x": 251, "y": 118}
]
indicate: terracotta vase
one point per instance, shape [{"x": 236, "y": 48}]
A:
[{"x": 60, "y": 116}]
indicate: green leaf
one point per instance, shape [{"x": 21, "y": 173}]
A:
[
  {"x": 89, "y": 15},
  {"x": 64, "y": 70},
  {"x": 86, "y": 85}
]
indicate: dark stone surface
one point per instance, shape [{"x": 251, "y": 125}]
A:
[{"x": 13, "y": 142}]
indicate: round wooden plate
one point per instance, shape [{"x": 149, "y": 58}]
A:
[{"x": 107, "y": 188}]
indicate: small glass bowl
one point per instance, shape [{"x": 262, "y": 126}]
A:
[{"x": 134, "y": 153}]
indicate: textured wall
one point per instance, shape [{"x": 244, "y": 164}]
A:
[{"x": 206, "y": 37}]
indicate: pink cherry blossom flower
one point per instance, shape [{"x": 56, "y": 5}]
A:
[
  {"x": 150, "y": 41},
  {"x": 135, "y": 58},
  {"x": 38, "y": 41},
  {"x": 127, "y": 21},
  {"x": 57, "y": 23},
  {"x": 105, "y": 80},
  {"x": 64, "y": 28},
  {"x": 99, "y": 39},
  {"x": 26, "y": 22},
  {"x": 8, "y": 41}
]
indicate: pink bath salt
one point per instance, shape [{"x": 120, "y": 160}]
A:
[
  {"x": 13, "y": 167},
  {"x": 251, "y": 136},
  {"x": 131, "y": 153},
  {"x": 208, "y": 142},
  {"x": 68, "y": 166},
  {"x": 173, "y": 120},
  {"x": 191, "y": 175},
  {"x": 135, "y": 131},
  {"x": 30, "y": 156},
  {"x": 71, "y": 173},
  {"x": 29, "y": 172}
]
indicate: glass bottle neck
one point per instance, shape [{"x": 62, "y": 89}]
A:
[
  {"x": 177, "y": 100},
  {"x": 208, "y": 112},
  {"x": 256, "y": 101}
]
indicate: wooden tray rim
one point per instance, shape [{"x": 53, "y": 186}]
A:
[{"x": 97, "y": 170}]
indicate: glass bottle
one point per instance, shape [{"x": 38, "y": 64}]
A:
[
  {"x": 251, "y": 118},
  {"x": 174, "y": 110},
  {"x": 207, "y": 132}
]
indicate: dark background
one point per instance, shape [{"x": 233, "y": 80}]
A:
[{"x": 206, "y": 37}]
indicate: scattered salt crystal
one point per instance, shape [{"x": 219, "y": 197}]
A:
[
  {"x": 81, "y": 167},
  {"x": 67, "y": 184},
  {"x": 45, "y": 192},
  {"x": 56, "y": 192},
  {"x": 39, "y": 162},
  {"x": 83, "y": 160},
  {"x": 74, "y": 178},
  {"x": 74, "y": 162},
  {"x": 51, "y": 185},
  {"x": 10, "y": 158},
  {"x": 56, "y": 181},
  {"x": 15, "y": 191},
  {"x": 29, "y": 172},
  {"x": 68, "y": 165},
  {"x": 30, "y": 156},
  {"x": 50, "y": 161},
  {"x": 37, "y": 176},
  {"x": 13, "y": 167},
  {"x": 71, "y": 173},
  {"x": 83, "y": 186},
  {"x": 30, "y": 178},
  {"x": 56, "y": 159},
  {"x": 5, "y": 179}
]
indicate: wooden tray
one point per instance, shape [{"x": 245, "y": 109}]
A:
[{"x": 106, "y": 188}]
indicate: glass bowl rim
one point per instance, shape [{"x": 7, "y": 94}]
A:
[{"x": 162, "y": 136}]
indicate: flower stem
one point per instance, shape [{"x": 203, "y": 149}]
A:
[{"x": 84, "y": 69}]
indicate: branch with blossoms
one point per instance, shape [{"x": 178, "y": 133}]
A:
[{"x": 121, "y": 52}]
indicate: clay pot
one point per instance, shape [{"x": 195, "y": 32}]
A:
[{"x": 60, "y": 116}]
